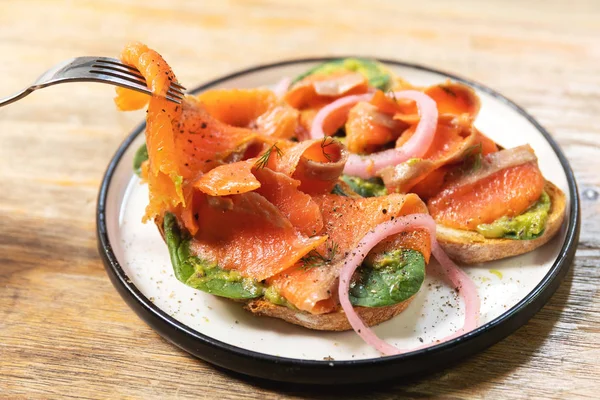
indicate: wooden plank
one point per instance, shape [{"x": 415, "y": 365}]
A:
[{"x": 64, "y": 330}]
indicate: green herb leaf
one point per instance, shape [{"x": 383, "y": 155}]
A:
[
  {"x": 326, "y": 142},
  {"x": 315, "y": 259},
  {"x": 264, "y": 159},
  {"x": 394, "y": 277}
]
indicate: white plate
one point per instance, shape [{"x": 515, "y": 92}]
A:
[{"x": 140, "y": 260}]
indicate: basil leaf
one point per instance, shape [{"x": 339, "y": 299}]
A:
[{"x": 394, "y": 277}]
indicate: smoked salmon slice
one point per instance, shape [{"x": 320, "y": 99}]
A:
[
  {"x": 163, "y": 172},
  {"x": 247, "y": 233},
  {"x": 256, "y": 109},
  {"x": 317, "y": 164},
  {"x": 318, "y": 89},
  {"x": 279, "y": 189},
  {"x": 368, "y": 129},
  {"x": 237, "y": 107},
  {"x": 508, "y": 192},
  {"x": 228, "y": 179},
  {"x": 298, "y": 207}
]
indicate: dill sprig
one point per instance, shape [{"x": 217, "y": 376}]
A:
[
  {"x": 326, "y": 142},
  {"x": 316, "y": 259},
  {"x": 264, "y": 159}
]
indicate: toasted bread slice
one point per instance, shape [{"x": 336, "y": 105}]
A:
[
  {"x": 469, "y": 247},
  {"x": 334, "y": 321}
]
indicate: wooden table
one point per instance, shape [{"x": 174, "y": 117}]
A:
[{"x": 64, "y": 330}]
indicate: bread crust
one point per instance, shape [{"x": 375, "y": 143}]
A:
[
  {"x": 334, "y": 321},
  {"x": 469, "y": 247}
]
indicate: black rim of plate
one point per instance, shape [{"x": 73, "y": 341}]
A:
[{"x": 330, "y": 372}]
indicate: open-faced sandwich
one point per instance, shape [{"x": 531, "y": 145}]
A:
[
  {"x": 312, "y": 202},
  {"x": 488, "y": 202}
]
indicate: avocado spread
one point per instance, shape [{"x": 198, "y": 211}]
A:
[
  {"x": 376, "y": 73},
  {"x": 372, "y": 187},
  {"x": 526, "y": 226}
]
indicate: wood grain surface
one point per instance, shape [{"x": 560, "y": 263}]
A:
[{"x": 64, "y": 330}]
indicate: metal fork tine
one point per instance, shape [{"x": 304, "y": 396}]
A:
[
  {"x": 118, "y": 63},
  {"x": 121, "y": 76},
  {"x": 173, "y": 99},
  {"x": 140, "y": 79},
  {"x": 135, "y": 71},
  {"x": 118, "y": 67},
  {"x": 178, "y": 86},
  {"x": 177, "y": 91},
  {"x": 141, "y": 87},
  {"x": 175, "y": 95}
]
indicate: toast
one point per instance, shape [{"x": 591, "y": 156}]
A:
[
  {"x": 334, "y": 321},
  {"x": 470, "y": 247}
]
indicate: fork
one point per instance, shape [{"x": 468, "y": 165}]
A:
[{"x": 95, "y": 69}]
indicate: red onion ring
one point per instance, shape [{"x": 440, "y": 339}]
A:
[
  {"x": 452, "y": 274},
  {"x": 316, "y": 130},
  {"x": 416, "y": 147}
]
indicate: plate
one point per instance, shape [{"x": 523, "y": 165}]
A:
[{"x": 221, "y": 332}]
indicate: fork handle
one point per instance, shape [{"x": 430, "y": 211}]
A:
[{"x": 15, "y": 97}]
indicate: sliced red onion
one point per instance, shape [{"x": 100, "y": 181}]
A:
[
  {"x": 453, "y": 275},
  {"x": 367, "y": 166},
  {"x": 282, "y": 86},
  {"x": 316, "y": 130}
]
